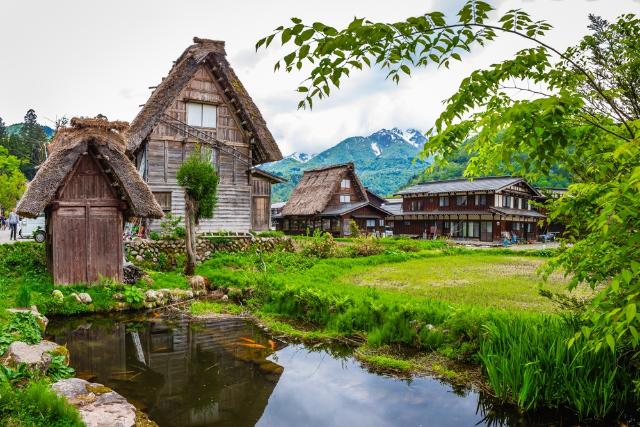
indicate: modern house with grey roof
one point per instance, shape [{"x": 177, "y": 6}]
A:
[
  {"x": 328, "y": 199},
  {"x": 486, "y": 209}
]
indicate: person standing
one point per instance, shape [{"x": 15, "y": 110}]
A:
[{"x": 13, "y": 224}]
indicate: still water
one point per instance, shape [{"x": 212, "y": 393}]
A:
[{"x": 227, "y": 372}]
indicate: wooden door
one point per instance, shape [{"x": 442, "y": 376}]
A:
[
  {"x": 104, "y": 231},
  {"x": 70, "y": 245},
  {"x": 486, "y": 231}
]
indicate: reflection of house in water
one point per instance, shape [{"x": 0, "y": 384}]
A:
[{"x": 183, "y": 374}]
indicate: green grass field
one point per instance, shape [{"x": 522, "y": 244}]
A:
[{"x": 499, "y": 281}]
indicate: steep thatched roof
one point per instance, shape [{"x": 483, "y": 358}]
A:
[
  {"x": 104, "y": 139},
  {"x": 212, "y": 54},
  {"x": 316, "y": 187}
]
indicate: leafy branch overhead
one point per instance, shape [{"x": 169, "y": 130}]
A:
[
  {"x": 396, "y": 47},
  {"x": 540, "y": 110}
]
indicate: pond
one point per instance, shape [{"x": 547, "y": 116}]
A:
[{"x": 227, "y": 372}]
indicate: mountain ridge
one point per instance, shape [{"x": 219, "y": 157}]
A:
[{"x": 385, "y": 161}]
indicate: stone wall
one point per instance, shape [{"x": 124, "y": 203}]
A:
[{"x": 148, "y": 250}]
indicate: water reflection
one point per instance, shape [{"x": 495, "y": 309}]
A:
[{"x": 226, "y": 372}]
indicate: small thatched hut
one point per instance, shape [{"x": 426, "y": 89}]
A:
[
  {"x": 87, "y": 189},
  {"x": 328, "y": 199}
]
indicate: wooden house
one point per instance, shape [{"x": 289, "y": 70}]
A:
[
  {"x": 486, "y": 209},
  {"x": 328, "y": 199},
  {"x": 202, "y": 102},
  {"x": 87, "y": 189}
]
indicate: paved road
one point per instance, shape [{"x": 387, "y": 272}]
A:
[{"x": 4, "y": 237}]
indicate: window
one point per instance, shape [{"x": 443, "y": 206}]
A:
[
  {"x": 371, "y": 223},
  {"x": 164, "y": 200},
  {"x": 381, "y": 222},
  {"x": 201, "y": 115},
  {"x": 461, "y": 200},
  {"x": 285, "y": 224},
  {"x": 416, "y": 205},
  {"x": 345, "y": 198},
  {"x": 525, "y": 204},
  {"x": 481, "y": 199},
  {"x": 444, "y": 201},
  {"x": 506, "y": 201},
  {"x": 517, "y": 203},
  {"x": 345, "y": 183},
  {"x": 326, "y": 224}
]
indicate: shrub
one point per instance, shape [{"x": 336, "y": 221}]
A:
[
  {"x": 36, "y": 405},
  {"x": 133, "y": 295},
  {"x": 320, "y": 245},
  {"x": 171, "y": 230},
  {"x": 270, "y": 233},
  {"x": 21, "y": 327},
  {"x": 354, "y": 229},
  {"x": 367, "y": 246},
  {"x": 154, "y": 235}
]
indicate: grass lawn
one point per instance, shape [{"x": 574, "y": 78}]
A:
[{"x": 478, "y": 279}]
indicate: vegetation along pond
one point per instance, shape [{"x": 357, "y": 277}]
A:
[{"x": 227, "y": 372}]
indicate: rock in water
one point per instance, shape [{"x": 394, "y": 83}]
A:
[
  {"x": 35, "y": 356},
  {"x": 99, "y": 406}
]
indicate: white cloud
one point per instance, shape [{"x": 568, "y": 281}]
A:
[{"x": 76, "y": 58}]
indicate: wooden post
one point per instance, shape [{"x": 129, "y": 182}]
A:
[{"x": 190, "y": 234}]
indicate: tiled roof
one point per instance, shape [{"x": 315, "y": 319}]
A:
[{"x": 493, "y": 183}]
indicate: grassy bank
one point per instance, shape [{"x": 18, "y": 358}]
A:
[{"x": 502, "y": 325}]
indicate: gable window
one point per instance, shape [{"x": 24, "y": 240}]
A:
[
  {"x": 444, "y": 201},
  {"x": 201, "y": 115},
  {"x": 345, "y": 198},
  {"x": 345, "y": 183},
  {"x": 164, "y": 200},
  {"x": 481, "y": 199},
  {"x": 506, "y": 201},
  {"x": 461, "y": 200}
]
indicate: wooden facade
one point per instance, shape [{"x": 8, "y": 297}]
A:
[
  {"x": 330, "y": 198},
  {"x": 163, "y": 137},
  {"x": 486, "y": 209}
]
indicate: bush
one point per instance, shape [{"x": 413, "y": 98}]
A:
[
  {"x": 154, "y": 235},
  {"x": 367, "y": 246},
  {"x": 133, "y": 295},
  {"x": 320, "y": 245},
  {"x": 270, "y": 233},
  {"x": 21, "y": 327},
  {"x": 36, "y": 405},
  {"x": 171, "y": 230}
]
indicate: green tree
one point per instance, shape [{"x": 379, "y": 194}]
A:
[
  {"x": 3, "y": 129},
  {"x": 29, "y": 145},
  {"x": 199, "y": 179},
  {"x": 12, "y": 181},
  {"x": 582, "y": 115}
]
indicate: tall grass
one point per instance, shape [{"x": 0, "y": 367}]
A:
[{"x": 531, "y": 364}]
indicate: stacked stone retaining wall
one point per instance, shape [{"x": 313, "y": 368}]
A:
[{"x": 145, "y": 249}]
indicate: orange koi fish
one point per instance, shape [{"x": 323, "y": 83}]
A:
[
  {"x": 249, "y": 340},
  {"x": 260, "y": 346}
]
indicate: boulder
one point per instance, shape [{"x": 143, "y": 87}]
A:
[
  {"x": 132, "y": 273},
  {"x": 35, "y": 356},
  {"x": 99, "y": 406},
  {"x": 152, "y": 296},
  {"x": 198, "y": 283},
  {"x": 85, "y": 298},
  {"x": 57, "y": 296}
]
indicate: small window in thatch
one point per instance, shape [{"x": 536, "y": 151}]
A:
[
  {"x": 345, "y": 183},
  {"x": 345, "y": 198},
  {"x": 164, "y": 200}
]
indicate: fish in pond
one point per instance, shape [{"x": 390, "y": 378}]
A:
[
  {"x": 253, "y": 345},
  {"x": 249, "y": 340},
  {"x": 272, "y": 344}
]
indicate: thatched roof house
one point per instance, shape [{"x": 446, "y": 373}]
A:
[
  {"x": 202, "y": 103},
  {"x": 210, "y": 54},
  {"x": 329, "y": 198},
  {"x": 105, "y": 139}
]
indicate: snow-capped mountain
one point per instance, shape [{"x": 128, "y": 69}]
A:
[{"x": 384, "y": 160}]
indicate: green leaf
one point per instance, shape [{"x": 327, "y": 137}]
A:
[
  {"x": 611, "y": 342},
  {"x": 406, "y": 69},
  {"x": 630, "y": 312}
]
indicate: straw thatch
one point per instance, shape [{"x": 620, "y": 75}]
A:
[
  {"x": 101, "y": 138},
  {"x": 211, "y": 53},
  {"x": 316, "y": 187}
]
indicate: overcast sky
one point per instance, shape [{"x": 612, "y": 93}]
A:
[{"x": 81, "y": 58}]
